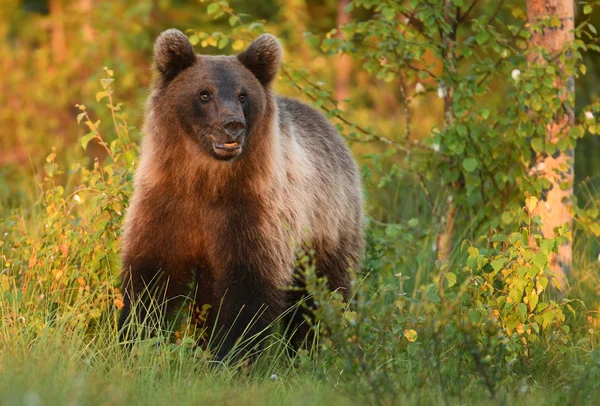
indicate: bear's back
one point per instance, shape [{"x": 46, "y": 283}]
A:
[
  {"x": 317, "y": 135},
  {"x": 322, "y": 177}
]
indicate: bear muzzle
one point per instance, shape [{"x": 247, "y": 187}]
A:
[{"x": 229, "y": 144}]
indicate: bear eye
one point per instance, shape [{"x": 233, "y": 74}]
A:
[
  {"x": 205, "y": 96},
  {"x": 242, "y": 97}
]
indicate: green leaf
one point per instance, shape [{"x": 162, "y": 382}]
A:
[
  {"x": 587, "y": 9},
  {"x": 537, "y": 144},
  {"x": 498, "y": 263},
  {"x": 106, "y": 82},
  {"x": 548, "y": 316},
  {"x": 80, "y": 117},
  {"x": 532, "y": 271},
  {"x": 547, "y": 246},
  {"x": 482, "y": 36},
  {"x": 223, "y": 42},
  {"x": 469, "y": 164},
  {"x": 540, "y": 260},
  {"x": 522, "y": 308},
  {"x": 533, "y": 300},
  {"x": 474, "y": 316},
  {"x": 85, "y": 140},
  {"x": 313, "y": 40},
  {"x": 212, "y": 8},
  {"x": 577, "y": 132},
  {"x": 506, "y": 217},
  {"x": 50, "y": 168},
  {"x": 388, "y": 13},
  {"x": 432, "y": 296},
  {"x": 543, "y": 282},
  {"x": 451, "y": 278},
  {"x": 498, "y": 238},
  {"x": 350, "y": 316}
]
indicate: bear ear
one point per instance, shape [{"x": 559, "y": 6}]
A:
[
  {"x": 173, "y": 53},
  {"x": 263, "y": 58}
]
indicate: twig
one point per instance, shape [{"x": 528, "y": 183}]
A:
[
  {"x": 464, "y": 16},
  {"x": 338, "y": 116}
]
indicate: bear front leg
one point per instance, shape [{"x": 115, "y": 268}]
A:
[
  {"x": 333, "y": 264},
  {"x": 249, "y": 303},
  {"x": 149, "y": 296}
]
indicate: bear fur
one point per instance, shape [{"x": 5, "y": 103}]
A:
[{"x": 232, "y": 179}]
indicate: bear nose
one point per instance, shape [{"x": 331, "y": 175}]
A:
[{"x": 234, "y": 126}]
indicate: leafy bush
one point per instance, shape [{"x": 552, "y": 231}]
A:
[
  {"x": 61, "y": 259},
  {"x": 490, "y": 314}
]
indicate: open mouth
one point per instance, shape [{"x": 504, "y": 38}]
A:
[
  {"x": 228, "y": 145},
  {"x": 227, "y": 149}
]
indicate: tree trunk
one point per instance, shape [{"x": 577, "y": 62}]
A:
[
  {"x": 444, "y": 240},
  {"x": 295, "y": 13},
  {"x": 87, "y": 28},
  {"x": 58, "y": 40},
  {"x": 343, "y": 63},
  {"x": 554, "y": 207}
]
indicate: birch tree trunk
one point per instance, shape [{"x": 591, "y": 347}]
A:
[
  {"x": 444, "y": 240},
  {"x": 554, "y": 207},
  {"x": 58, "y": 40},
  {"x": 86, "y": 7}
]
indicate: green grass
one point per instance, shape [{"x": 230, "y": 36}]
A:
[
  {"x": 58, "y": 368},
  {"x": 70, "y": 370}
]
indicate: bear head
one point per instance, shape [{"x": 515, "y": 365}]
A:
[{"x": 217, "y": 100}]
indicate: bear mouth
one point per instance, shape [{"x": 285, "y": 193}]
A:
[{"x": 227, "y": 150}]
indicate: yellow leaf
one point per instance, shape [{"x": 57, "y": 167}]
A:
[
  {"x": 4, "y": 283},
  {"x": 101, "y": 95},
  {"x": 119, "y": 303},
  {"x": 237, "y": 44},
  {"x": 411, "y": 335},
  {"x": 531, "y": 203}
]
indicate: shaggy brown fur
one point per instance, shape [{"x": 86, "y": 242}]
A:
[{"x": 232, "y": 179}]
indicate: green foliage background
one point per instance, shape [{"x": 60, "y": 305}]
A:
[{"x": 484, "y": 325}]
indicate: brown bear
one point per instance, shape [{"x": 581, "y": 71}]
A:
[{"x": 232, "y": 179}]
